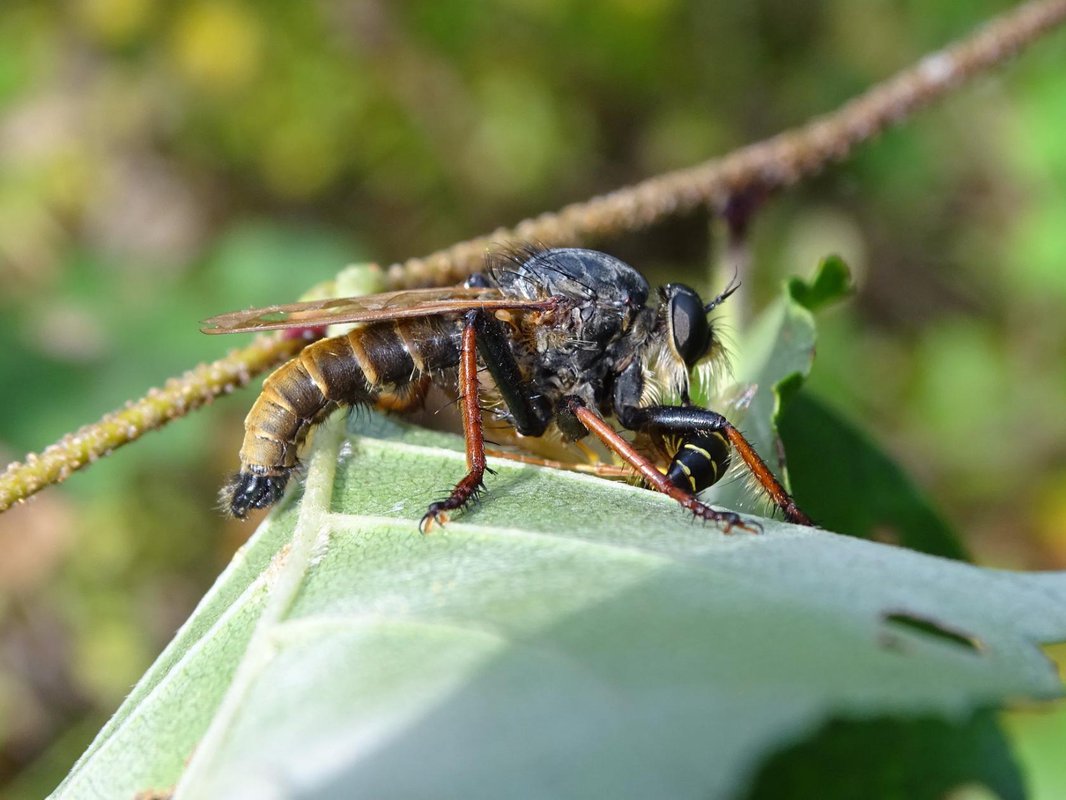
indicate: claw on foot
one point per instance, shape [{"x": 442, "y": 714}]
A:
[
  {"x": 726, "y": 520},
  {"x": 435, "y": 516}
]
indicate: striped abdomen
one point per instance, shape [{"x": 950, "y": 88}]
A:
[
  {"x": 342, "y": 370},
  {"x": 699, "y": 462}
]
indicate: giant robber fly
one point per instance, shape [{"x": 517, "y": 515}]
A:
[{"x": 568, "y": 338}]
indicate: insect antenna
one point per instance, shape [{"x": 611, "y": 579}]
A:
[{"x": 734, "y": 284}]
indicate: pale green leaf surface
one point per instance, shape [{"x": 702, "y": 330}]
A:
[{"x": 569, "y": 637}]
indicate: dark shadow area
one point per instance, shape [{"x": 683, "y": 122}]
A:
[
  {"x": 921, "y": 758},
  {"x": 848, "y": 485}
]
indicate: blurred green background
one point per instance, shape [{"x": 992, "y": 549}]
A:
[{"x": 163, "y": 162}]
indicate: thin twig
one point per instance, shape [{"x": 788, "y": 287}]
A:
[
  {"x": 178, "y": 396},
  {"x": 760, "y": 168}
]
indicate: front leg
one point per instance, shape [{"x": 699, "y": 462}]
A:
[
  {"x": 700, "y": 424},
  {"x": 473, "y": 431},
  {"x": 648, "y": 471}
]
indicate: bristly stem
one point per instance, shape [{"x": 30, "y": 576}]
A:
[
  {"x": 754, "y": 170},
  {"x": 175, "y": 399},
  {"x": 759, "y": 168}
]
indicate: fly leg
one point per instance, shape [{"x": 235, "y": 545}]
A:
[
  {"x": 530, "y": 412},
  {"x": 593, "y": 468},
  {"x": 468, "y": 488},
  {"x": 485, "y": 335},
  {"x": 700, "y": 427},
  {"x": 700, "y": 422},
  {"x": 647, "y": 469}
]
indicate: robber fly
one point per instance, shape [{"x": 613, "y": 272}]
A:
[{"x": 569, "y": 338}]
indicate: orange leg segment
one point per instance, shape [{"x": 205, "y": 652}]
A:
[
  {"x": 599, "y": 469},
  {"x": 473, "y": 431},
  {"x": 765, "y": 477}
]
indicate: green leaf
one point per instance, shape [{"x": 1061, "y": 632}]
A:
[
  {"x": 844, "y": 481},
  {"x": 832, "y": 282},
  {"x": 569, "y": 637},
  {"x": 449, "y": 663},
  {"x": 773, "y": 360}
]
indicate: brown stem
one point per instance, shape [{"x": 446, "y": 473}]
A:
[
  {"x": 759, "y": 168},
  {"x": 178, "y": 396}
]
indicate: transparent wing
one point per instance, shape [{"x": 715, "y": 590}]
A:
[{"x": 369, "y": 308}]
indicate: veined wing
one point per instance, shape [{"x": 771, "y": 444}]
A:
[{"x": 368, "y": 308}]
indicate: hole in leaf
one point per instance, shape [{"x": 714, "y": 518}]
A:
[{"x": 928, "y": 627}]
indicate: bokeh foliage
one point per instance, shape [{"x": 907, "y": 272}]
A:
[{"x": 161, "y": 162}]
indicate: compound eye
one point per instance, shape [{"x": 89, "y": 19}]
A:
[{"x": 689, "y": 329}]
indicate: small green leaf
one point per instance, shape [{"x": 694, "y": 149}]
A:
[{"x": 832, "y": 282}]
